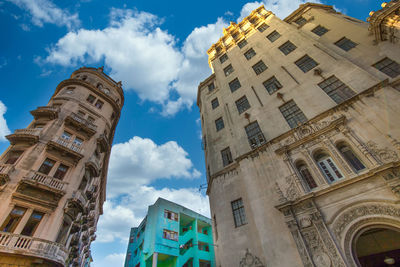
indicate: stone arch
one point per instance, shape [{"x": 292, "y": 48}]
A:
[{"x": 351, "y": 221}]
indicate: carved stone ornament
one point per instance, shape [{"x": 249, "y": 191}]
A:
[
  {"x": 368, "y": 210},
  {"x": 249, "y": 260},
  {"x": 385, "y": 155},
  {"x": 321, "y": 259}
]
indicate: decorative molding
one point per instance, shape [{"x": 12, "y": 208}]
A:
[
  {"x": 385, "y": 155},
  {"x": 249, "y": 260}
]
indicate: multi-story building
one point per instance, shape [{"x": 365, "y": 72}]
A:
[
  {"x": 171, "y": 236},
  {"x": 301, "y": 130},
  {"x": 53, "y": 175}
]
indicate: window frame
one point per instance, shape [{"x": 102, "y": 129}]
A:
[
  {"x": 238, "y": 212},
  {"x": 263, "y": 27},
  {"x": 242, "y": 43},
  {"x": 272, "y": 81},
  {"x": 259, "y": 67},
  {"x": 224, "y": 57},
  {"x": 219, "y": 124},
  {"x": 388, "y": 70},
  {"x": 337, "y": 90},
  {"x": 287, "y": 48},
  {"x": 306, "y": 63},
  {"x": 228, "y": 70},
  {"x": 214, "y": 103},
  {"x": 273, "y": 36},
  {"x": 226, "y": 156},
  {"x": 345, "y": 44},
  {"x": 319, "y": 30},
  {"x": 295, "y": 117},
  {"x": 254, "y": 134},
  {"x": 242, "y": 104},
  {"x": 249, "y": 54},
  {"x": 234, "y": 84}
]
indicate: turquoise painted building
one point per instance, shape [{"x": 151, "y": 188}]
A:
[{"x": 171, "y": 236}]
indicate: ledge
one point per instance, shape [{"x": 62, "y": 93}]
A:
[
  {"x": 34, "y": 247},
  {"x": 45, "y": 111},
  {"x": 30, "y": 136}
]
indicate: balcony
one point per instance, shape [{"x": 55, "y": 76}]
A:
[
  {"x": 30, "y": 136},
  {"x": 46, "y": 182},
  {"x": 46, "y": 112},
  {"x": 81, "y": 123},
  {"x": 67, "y": 148},
  {"x": 79, "y": 197},
  {"x": 32, "y": 246},
  {"x": 103, "y": 142},
  {"x": 5, "y": 170}
]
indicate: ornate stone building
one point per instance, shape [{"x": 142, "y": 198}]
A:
[
  {"x": 300, "y": 122},
  {"x": 53, "y": 175}
]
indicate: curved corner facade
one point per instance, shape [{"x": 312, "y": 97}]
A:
[
  {"x": 53, "y": 175},
  {"x": 300, "y": 123}
]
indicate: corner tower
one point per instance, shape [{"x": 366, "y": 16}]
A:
[{"x": 53, "y": 175}]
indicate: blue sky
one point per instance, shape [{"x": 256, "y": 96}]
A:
[{"x": 158, "y": 50}]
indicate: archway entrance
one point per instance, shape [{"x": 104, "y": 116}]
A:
[{"x": 378, "y": 247}]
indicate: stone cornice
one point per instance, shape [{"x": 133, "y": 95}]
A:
[
  {"x": 304, "y": 7},
  {"x": 340, "y": 184}
]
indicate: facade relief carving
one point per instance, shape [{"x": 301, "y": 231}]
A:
[
  {"x": 385, "y": 155},
  {"x": 250, "y": 260}
]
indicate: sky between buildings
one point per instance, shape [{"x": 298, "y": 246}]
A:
[{"x": 158, "y": 50}]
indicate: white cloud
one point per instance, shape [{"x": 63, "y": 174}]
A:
[
  {"x": 114, "y": 259},
  {"x": 134, "y": 166},
  {"x": 117, "y": 220},
  {"x": 280, "y": 8},
  {"x": 140, "y": 161},
  {"x": 143, "y": 56},
  {"x": 4, "y": 130},
  {"x": 45, "y": 11}
]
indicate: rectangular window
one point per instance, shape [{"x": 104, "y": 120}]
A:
[
  {"x": 272, "y": 85},
  {"x": 228, "y": 70},
  {"x": 306, "y": 63},
  {"x": 242, "y": 104},
  {"x": 223, "y": 58},
  {"x": 293, "y": 115},
  {"x": 170, "y": 235},
  {"x": 99, "y": 104},
  {"x": 254, "y": 134},
  {"x": 81, "y": 113},
  {"x": 66, "y": 136},
  {"x": 214, "y": 103},
  {"x": 259, "y": 67},
  {"x": 234, "y": 85},
  {"x": 91, "y": 99},
  {"x": 13, "y": 156},
  {"x": 60, "y": 172},
  {"x": 32, "y": 223},
  {"x": 78, "y": 141},
  {"x": 287, "y": 48},
  {"x": 239, "y": 215},
  {"x": 13, "y": 219},
  {"x": 273, "y": 36},
  {"x": 242, "y": 43},
  {"x": 91, "y": 119},
  {"x": 226, "y": 156},
  {"x": 262, "y": 27},
  {"x": 211, "y": 87},
  {"x": 389, "y": 67},
  {"x": 131, "y": 239},
  {"x": 300, "y": 21},
  {"x": 320, "y": 30},
  {"x": 46, "y": 167},
  {"x": 250, "y": 53},
  {"x": 336, "y": 89},
  {"x": 219, "y": 124},
  {"x": 346, "y": 44},
  {"x": 171, "y": 215}
]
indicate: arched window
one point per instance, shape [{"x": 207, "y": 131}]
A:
[
  {"x": 306, "y": 176},
  {"x": 328, "y": 167},
  {"x": 99, "y": 86},
  {"x": 350, "y": 157}
]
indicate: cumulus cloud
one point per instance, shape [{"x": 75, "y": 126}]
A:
[
  {"x": 4, "y": 130},
  {"x": 142, "y": 55},
  {"x": 114, "y": 259},
  {"x": 134, "y": 166},
  {"x": 140, "y": 161},
  {"x": 280, "y": 8},
  {"x": 45, "y": 11}
]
